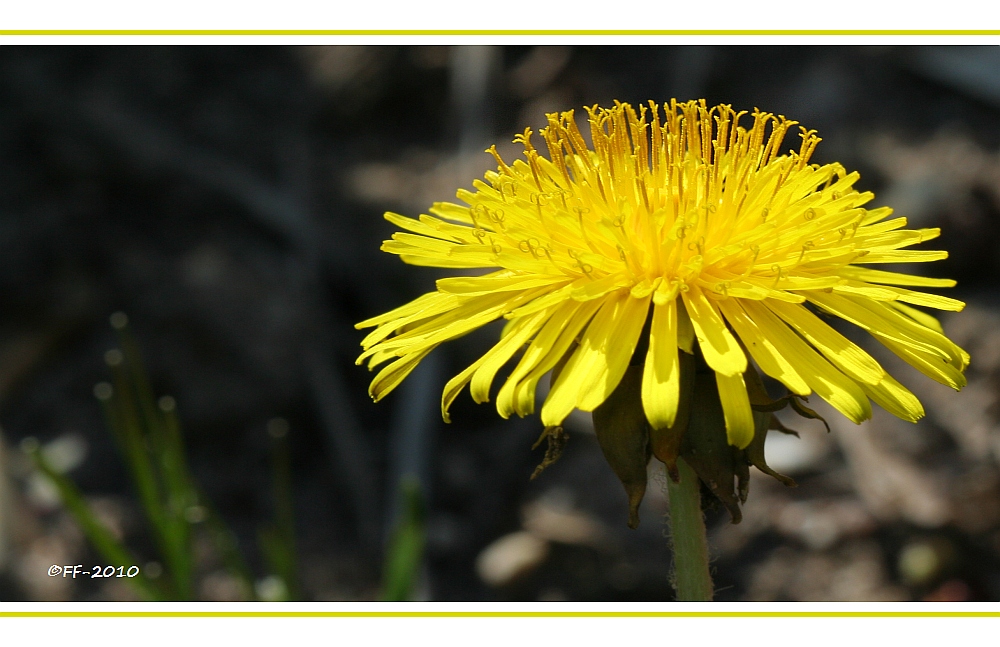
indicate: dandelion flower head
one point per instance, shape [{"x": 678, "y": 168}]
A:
[{"x": 680, "y": 228}]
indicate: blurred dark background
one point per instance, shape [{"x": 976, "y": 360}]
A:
[{"x": 229, "y": 200}]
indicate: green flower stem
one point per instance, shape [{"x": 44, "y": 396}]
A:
[{"x": 694, "y": 582}]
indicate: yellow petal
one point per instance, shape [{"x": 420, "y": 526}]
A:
[
  {"x": 665, "y": 291},
  {"x": 762, "y": 350},
  {"x": 931, "y": 366},
  {"x": 476, "y": 312},
  {"x": 451, "y": 211},
  {"x": 520, "y": 332},
  {"x": 877, "y": 292},
  {"x": 929, "y": 300},
  {"x": 617, "y": 351},
  {"x": 840, "y": 391},
  {"x": 645, "y": 287},
  {"x": 842, "y": 352},
  {"x": 919, "y": 316},
  {"x": 867, "y": 315},
  {"x": 403, "y": 242},
  {"x": 661, "y": 380},
  {"x": 455, "y": 386},
  {"x": 685, "y": 331},
  {"x": 535, "y": 353},
  {"x": 420, "y": 228},
  {"x": 736, "y": 408},
  {"x": 753, "y": 289},
  {"x": 547, "y": 349},
  {"x": 895, "y": 398},
  {"x": 888, "y": 324},
  {"x": 478, "y": 285},
  {"x": 600, "y": 287},
  {"x": 432, "y": 302},
  {"x": 390, "y": 377},
  {"x": 597, "y": 365},
  {"x": 547, "y": 300},
  {"x": 893, "y": 278},
  {"x": 431, "y": 260},
  {"x": 904, "y": 256},
  {"x": 718, "y": 346}
]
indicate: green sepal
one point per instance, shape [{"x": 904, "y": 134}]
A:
[
  {"x": 763, "y": 421},
  {"x": 623, "y": 434},
  {"x": 806, "y": 412},
  {"x": 755, "y": 454},
  {"x": 777, "y": 425},
  {"x": 698, "y": 436},
  {"x": 666, "y": 442},
  {"x": 557, "y": 439},
  {"x": 775, "y": 405},
  {"x": 761, "y": 402},
  {"x": 705, "y": 446}
]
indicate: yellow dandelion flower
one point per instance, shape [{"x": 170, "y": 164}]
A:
[{"x": 682, "y": 222}]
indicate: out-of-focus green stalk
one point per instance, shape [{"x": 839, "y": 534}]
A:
[
  {"x": 180, "y": 492},
  {"x": 277, "y": 541},
  {"x": 404, "y": 557},
  {"x": 149, "y": 457},
  {"x": 120, "y": 415},
  {"x": 225, "y": 543},
  {"x": 149, "y": 438},
  {"x": 105, "y": 543}
]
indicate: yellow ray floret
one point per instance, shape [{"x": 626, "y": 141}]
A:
[{"x": 685, "y": 221}]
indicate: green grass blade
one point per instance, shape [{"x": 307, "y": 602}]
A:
[
  {"x": 136, "y": 453},
  {"x": 277, "y": 541},
  {"x": 166, "y": 460},
  {"x": 224, "y": 541},
  {"x": 139, "y": 378},
  {"x": 103, "y": 541},
  {"x": 404, "y": 558},
  {"x": 145, "y": 476},
  {"x": 181, "y": 495}
]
